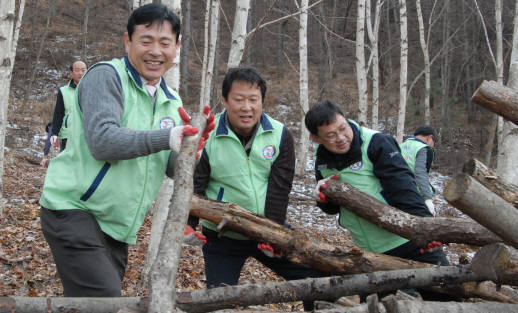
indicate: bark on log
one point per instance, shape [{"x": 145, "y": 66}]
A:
[
  {"x": 406, "y": 306},
  {"x": 71, "y": 305},
  {"x": 417, "y": 229},
  {"x": 163, "y": 271},
  {"x": 296, "y": 245},
  {"x": 484, "y": 206},
  {"x": 492, "y": 181},
  {"x": 498, "y": 98}
]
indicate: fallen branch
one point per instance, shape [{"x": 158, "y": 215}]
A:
[{"x": 417, "y": 229}]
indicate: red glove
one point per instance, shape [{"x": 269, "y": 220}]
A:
[
  {"x": 210, "y": 122},
  {"x": 432, "y": 246},
  {"x": 192, "y": 237},
  {"x": 184, "y": 116},
  {"x": 321, "y": 185},
  {"x": 267, "y": 250}
]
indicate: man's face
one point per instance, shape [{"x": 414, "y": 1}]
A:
[
  {"x": 78, "y": 70},
  {"x": 336, "y": 136},
  {"x": 244, "y": 106},
  {"x": 151, "y": 50}
]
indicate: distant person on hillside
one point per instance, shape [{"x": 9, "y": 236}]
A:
[
  {"x": 65, "y": 99},
  {"x": 370, "y": 161},
  {"x": 46, "y": 149},
  {"x": 249, "y": 160},
  {"x": 418, "y": 152},
  {"x": 125, "y": 133}
]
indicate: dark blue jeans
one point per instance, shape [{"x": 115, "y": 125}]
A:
[{"x": 224, "y": 258}]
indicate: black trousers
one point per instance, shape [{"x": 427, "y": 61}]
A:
[
  {"x": 224, "y": 258},
  {"x": 89, "y": 262}
]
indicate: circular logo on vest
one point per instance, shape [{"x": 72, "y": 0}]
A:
[
  {"x": 356, "y": 166},
  {"x": 167, "y": 122},
  {"x": 269, "y": 152}
]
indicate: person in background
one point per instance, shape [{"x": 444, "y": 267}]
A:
[
  {"x": 249, "y": 160},
  {"x": 65, "y": 99},
  {"x": 46, "y": 149},
  {"x": 418, "y": 152},
  {"x": 370, "y": 161},
  {"x": 125, "y": 133}
]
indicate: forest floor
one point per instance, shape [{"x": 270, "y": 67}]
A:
[{"x": 27, "y": 267}]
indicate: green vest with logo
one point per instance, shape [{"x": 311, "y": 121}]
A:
[
  {"x": 69, "y": 98},
  {"x": 118, "y": 193},
  {"x": 365, "y": 234},
  {"x": 409, "y": 150},
  {"x": 237, "y": 177}
]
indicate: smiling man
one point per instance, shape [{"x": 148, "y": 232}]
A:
[
  {"x": 248, "y": 160},
  {"x": 124, "y": 137}
]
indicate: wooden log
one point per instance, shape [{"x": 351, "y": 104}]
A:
[
  {"x": 76, "y": 305},
  {"x": 498, "y": 98},
  {"x": 296, "y": 245},
  {"x": 484, "y": 206},
  {"x": 417, "y": 229},
  {"x": 409, "y": 306},
  {"x": 163, "y": 271},
  {"x": 492, "y": 181}
]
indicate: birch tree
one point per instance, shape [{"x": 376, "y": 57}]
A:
[
  {"x": 186, "y": 43},
  {"x": 361, "y": 73},
  {"x": 172, "y": 76},
  {"x": 239, "y": 33},
  {"x": 209, "y": 50},
  {"x": 7, "y": 55},
  {"x": 303, "y": 89},
  {"x": 139, "y": 3},
  {"x": 373, "y": 32},
  {"x": 426, "y": 58},
  {"x": 403, "y": 72},
  {"x": 85, "y": 29},
  {"x": 508, "y": 160}
]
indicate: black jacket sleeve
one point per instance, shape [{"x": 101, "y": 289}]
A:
[
  {"x": 396, "y": 178},
  {"x": 280, "y": 180},
  {"x": 59, "y": 113},
  {"x": 201, "y": 181}
]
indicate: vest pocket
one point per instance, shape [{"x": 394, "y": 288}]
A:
[{"x": 96, "y": 182}]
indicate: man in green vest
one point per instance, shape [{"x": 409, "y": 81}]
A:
[
  {"x": 370, "y": 161},
  {"x": 125, "y": 132},
  {"x": 65, "y": 99},
  {"x": 418, "y": 152},
  {"x": 249, "y": 160}
]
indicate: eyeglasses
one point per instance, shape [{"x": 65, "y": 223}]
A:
[{"x": 335, "y": 136}]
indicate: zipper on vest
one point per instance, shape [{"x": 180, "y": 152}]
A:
[{"x": 252, "y": 183}]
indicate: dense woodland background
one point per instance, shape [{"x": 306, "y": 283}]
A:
[{"x": 52, "y": 36}]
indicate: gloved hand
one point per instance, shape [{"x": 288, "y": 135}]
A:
[
  {"x": 430, "y": 206},
  {"x": 321, "y": 185},
  {"x": 54, "y": 141},
  {"x": 206, "y": 133},
  {"x": 432, "y": 246},
  {"x": 45, "y": 161},
  {"x": 192, "y": 237},
  {"x": 267, "y": 250},
  {"x": 177, "y": 133}
]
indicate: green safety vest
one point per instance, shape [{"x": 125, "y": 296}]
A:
[
  {"x": 69, "y": 97},
  {"x": 409, "y": 150},
  {"x": 365, "y": 234},
  {"x": 236, "y": 177},
  {"x": 118, "y": 193}
]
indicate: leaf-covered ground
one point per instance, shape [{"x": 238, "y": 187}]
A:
[{"x": 27, "y": 267}]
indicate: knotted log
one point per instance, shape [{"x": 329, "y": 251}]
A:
[
  {"x": 484, "y": 206},
  {"x": 420, "y": 230},
  {"x": 499, "y": 99},
  {"x": 492, "y": 181}
]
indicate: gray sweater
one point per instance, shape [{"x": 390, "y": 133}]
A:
[
  {"x": 421, "y": 173},
  {"x": 102, "y": 103}
]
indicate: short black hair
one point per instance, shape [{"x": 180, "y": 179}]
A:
[
  {"x": 153, "y": 13},
  {"x": 426, "y": 130},
  {"x": 71, "y": 67},
  {"x": 245, "y": 74},
  {"x": 322, "y": 113}
]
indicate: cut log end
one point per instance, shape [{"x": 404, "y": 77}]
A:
[{"x": 456, "y": 187}]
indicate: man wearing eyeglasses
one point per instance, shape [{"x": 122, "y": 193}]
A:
[
  {"x": 370, "y": 161},
  {"x": 418, "y": 152}
]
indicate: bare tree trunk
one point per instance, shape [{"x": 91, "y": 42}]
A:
[
  {"x": 172, "y": 76},
  {"x": 445, "y": 66},
  {"x": 209, "y": 51},
  {"x": 84, "y": 51},
  {"x": 239, "y": 33},
  {"x": 163, "y": 271},
  {"x": 403, "y": 72},
  {"x": 17, "y": 27},
  {"x": 485, "y": 207},
  {"x": 426, "y": 57},
  {"x": 7, "y": 18},
  {"x": 302, "y": 148},
  {"x": 373, "y": 32},
  {"x": 139, "y": 3},
  {"x": 420, "y": 230},
  {"x": 361, "y": 72},
  {"x": 186, "y": 44},
  {"x": 499, "y": 72}
]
